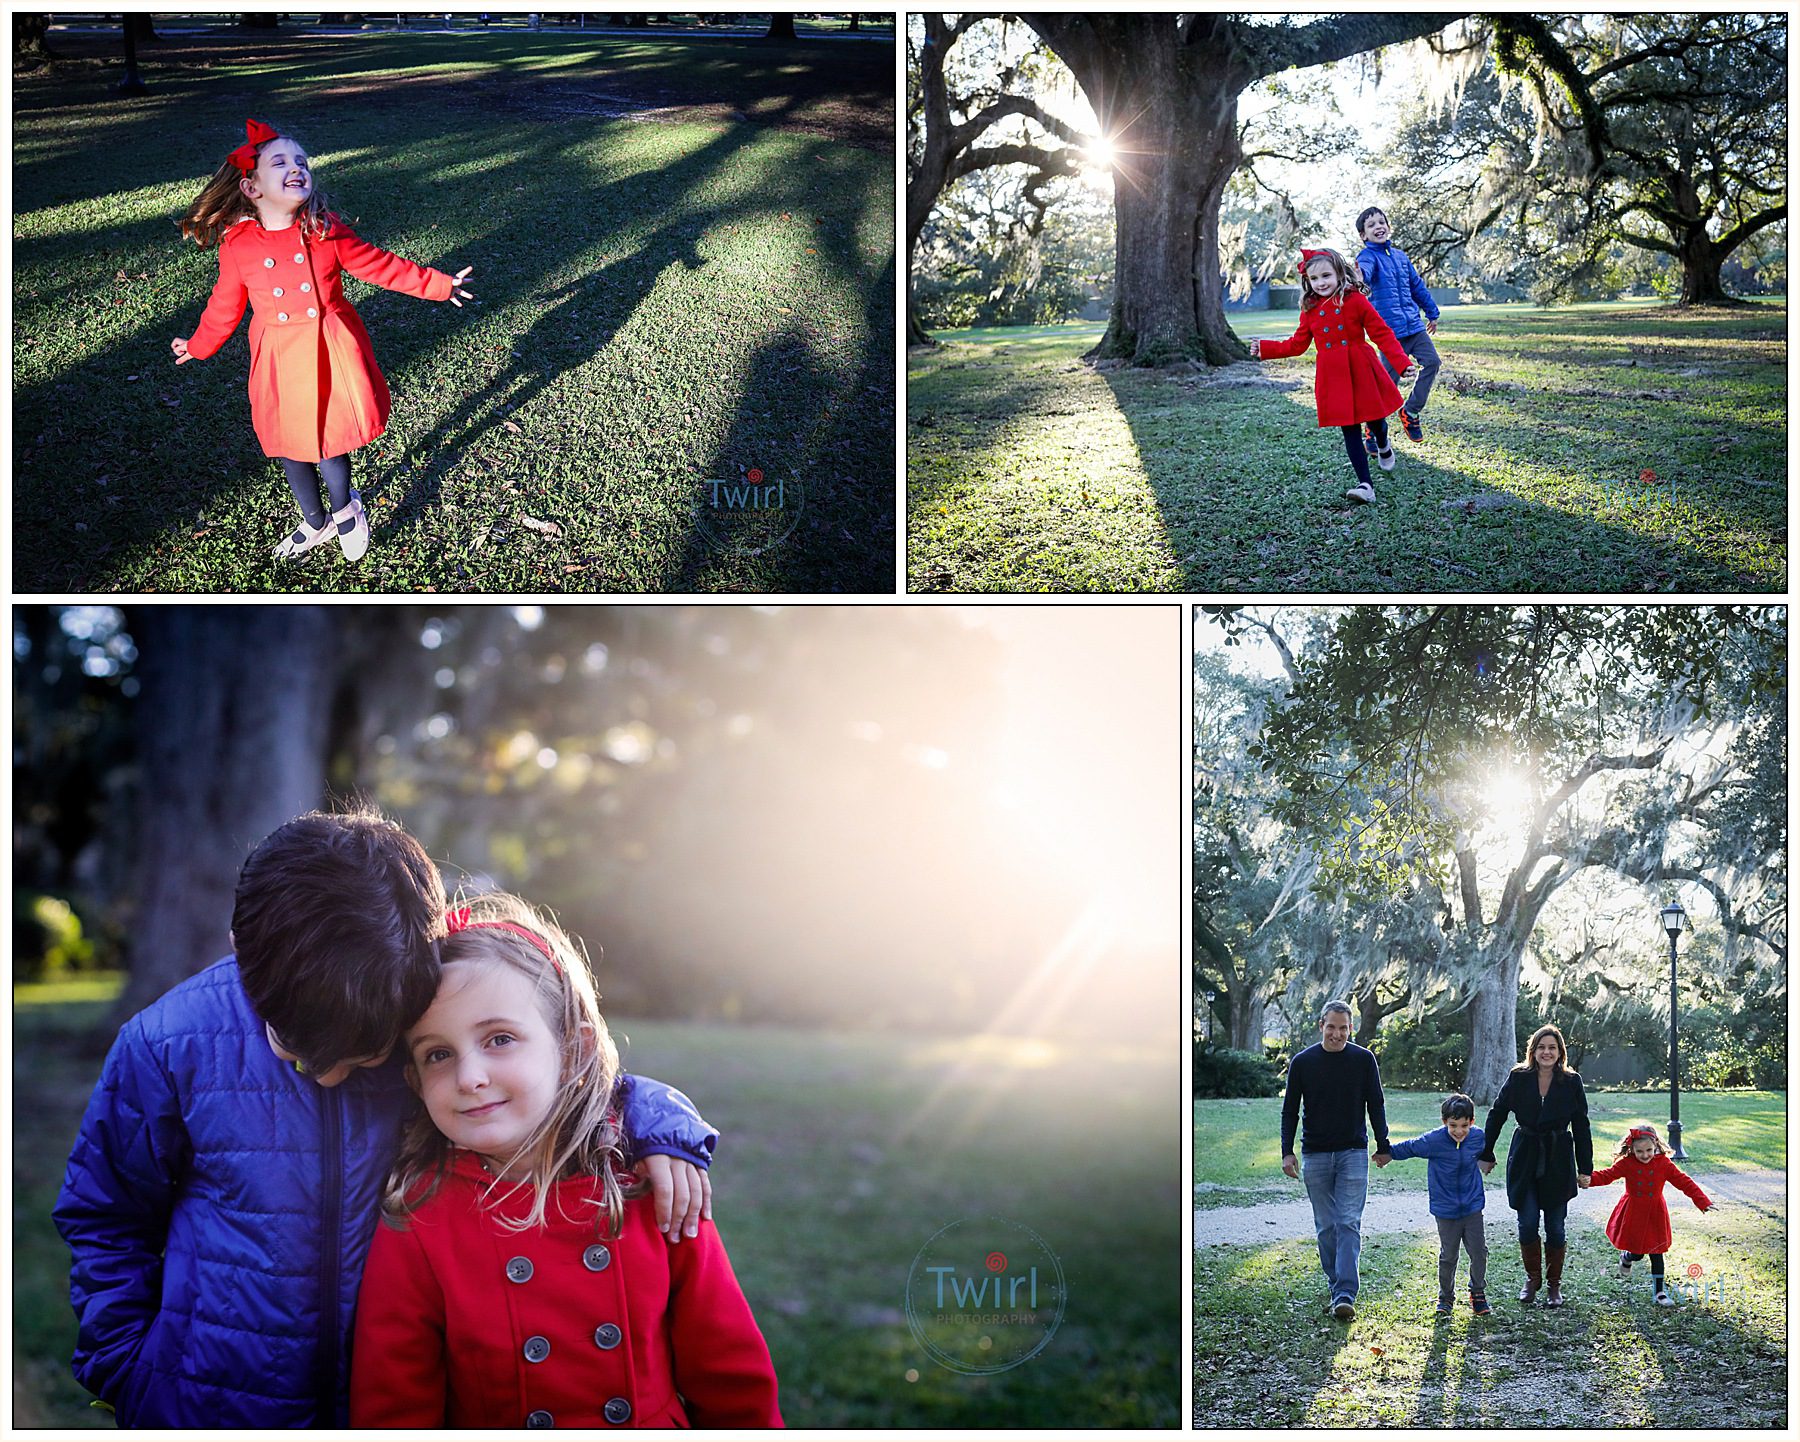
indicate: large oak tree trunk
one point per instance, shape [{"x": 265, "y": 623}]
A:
[
  {"x": 1493, "y": 1024},
  {"x": 1172, "y": 115},
  {"x": 1701, "y": 263},
  {"x": 232, "y": 743}
]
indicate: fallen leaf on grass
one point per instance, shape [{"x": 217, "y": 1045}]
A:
[
  {"x": 532, "y": 523},
  {"x": 511, "y": 427}
]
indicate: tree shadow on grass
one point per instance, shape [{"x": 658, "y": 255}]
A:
[{"x": 1251, "y": 493}]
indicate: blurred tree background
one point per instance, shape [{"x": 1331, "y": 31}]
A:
[{"x": 755, "y": 814}]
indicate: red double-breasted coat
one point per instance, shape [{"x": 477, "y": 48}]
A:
[
  {"x": 315, "y": 389},
  {"x": 1640, "y": 1222},
  {"x": 461, "y": 1323},
  {"x": 1349, "y": 384}
]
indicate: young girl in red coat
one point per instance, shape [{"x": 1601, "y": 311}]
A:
[
  {"x": 517, "y": 1279},
  {"x": 1348, "y": 382},
  {"x": 1639, "y": 1225},
  {"x": 316, "y": 393}
]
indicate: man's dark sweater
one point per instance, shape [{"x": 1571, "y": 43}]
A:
[{"x": 1336, "y": 1086}]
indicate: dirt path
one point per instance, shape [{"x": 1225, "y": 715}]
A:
[{"x": 1282, "y": 1221}]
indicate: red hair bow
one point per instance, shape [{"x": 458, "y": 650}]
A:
[
  {"x": 1306, "y": 255},
  {"x": 244, "y": 157},
  {"x": 457, "y": 919},
  {"x": 1646, "y": 1133}
]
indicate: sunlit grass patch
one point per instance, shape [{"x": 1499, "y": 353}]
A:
[{"x": 1589, "y": 448}]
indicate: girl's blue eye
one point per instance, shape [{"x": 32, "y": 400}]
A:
[
  {"x": 502, "y": 1038},
  {"x": 437, "y": 1053}
]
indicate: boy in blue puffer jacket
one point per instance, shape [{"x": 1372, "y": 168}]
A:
[
  {"x": 1398, "y": 293},
  {"x": 223, "y": 1190},
  {"x": 1453, "y": 1182}
]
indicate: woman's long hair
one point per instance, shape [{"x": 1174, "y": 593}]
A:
[
  {"x": 222, "y": 204},
  {"x": 1562, "y": 1051},
  {"x": 581, "y": 1134},
  {"x": 1349, "y": 278}
]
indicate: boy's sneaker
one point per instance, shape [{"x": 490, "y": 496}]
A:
[
  {"x": 1361, "y": 491},
  {"x": 1410, "y": 424},
  {"x": 1369, "y": 444},
  {"x": 1385, "y": 459},
  {"x": 1343, "y": 1310},
  {"x": 1445, "y": 1307},
  {"x": 1479, "y": 1301}
]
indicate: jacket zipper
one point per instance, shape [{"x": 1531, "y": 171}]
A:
[{"x": 326, "y": 1369}]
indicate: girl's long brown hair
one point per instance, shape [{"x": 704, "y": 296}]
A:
[
  {"x": 1348, "y": 276},
  {"x": 1562, "y": 1051},
  {"x": 222, "y": 203},
  {"x": 581, "y": 1135}
]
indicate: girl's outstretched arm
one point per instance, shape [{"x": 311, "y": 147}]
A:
[
  {"x": 1296, "y": 344},
  {"x": 1605, "y": 1175},
  {"x": 1686, "y": 1184},
  {"x": 1382, "y": 334},
  {"x": 385, "y": 269},
  {"x": 224, "y": 309},
  {"x": 399, "y": 1371}
]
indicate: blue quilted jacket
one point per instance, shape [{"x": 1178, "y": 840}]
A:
[
  {"x": 1453, "y": 1178},
  {"x": 1396, "y": 289},
  {"x": 219, "y": 1206}
]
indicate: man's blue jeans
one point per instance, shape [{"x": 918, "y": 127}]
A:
[{"x": 1338, "y": 1185}]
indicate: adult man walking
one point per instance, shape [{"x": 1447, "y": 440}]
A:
[{"x": 1337, "y": 1081}]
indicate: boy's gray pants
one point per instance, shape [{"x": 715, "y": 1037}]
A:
[
  {"x": 1418, "y": 345},
  {"x": 1468, "y": 1233}
]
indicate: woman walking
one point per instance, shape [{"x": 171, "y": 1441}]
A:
[{"x": 1551, "y": 1155}]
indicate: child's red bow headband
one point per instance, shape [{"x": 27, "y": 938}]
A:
[
  {"x": 1309, "y": 255},
  {"x": 457, "y": 919},
  {"x": 244, "y": 157},
  {"x": 1645, "y": 1133}
]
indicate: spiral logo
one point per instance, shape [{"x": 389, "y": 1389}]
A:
[
  {"x": 1695, "y": 1269},
  {"x": 978, "y": 1308}
]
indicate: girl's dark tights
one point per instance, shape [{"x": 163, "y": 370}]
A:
[
  {"x": 1656, "y": 1261},
  {"x": 303, "y": 481},
  {"x": 1353, "y": 443}
]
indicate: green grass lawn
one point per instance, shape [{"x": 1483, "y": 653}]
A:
[
  {"x": 842, "y": 1155},
  {"x": 1266, "y": 1355},
  {"x": 1029, "y": 471},
  {"x": 1237, "y": 1144},
  {"x": 683, "y": 255}
]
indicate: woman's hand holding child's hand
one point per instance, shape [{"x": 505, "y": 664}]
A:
[
  {"x": 1486, "y": 1167},
  {"x": 455, "y": 281},
  {"x": 179, "y": 346},
  {"x": 682, "y": 1193}
]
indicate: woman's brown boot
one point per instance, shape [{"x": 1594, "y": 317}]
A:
[
  {"x": 1532, "y": 1253},
  {"x": 1553, "y": 1264}
]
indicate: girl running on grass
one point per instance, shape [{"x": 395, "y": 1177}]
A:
[
  {"x": 316, "y": 393},
  {"x": 1349, "y": 384},
  {"x": 520, "y": 1280},
  {"x": 1639, "y": 1225}
]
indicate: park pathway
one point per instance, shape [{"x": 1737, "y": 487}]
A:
[{"x": 1283, "y": 1221}]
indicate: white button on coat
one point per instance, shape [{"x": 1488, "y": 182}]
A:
[
  {"x": 305, "y": 286},
  {"x": 269, "y": 264},
  {"x": 299, "y": 259},
  {"x": 277, "y": 290},
  {"x": 281, "y": 315}
]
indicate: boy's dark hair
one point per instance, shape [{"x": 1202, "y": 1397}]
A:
[
  {"x": 335, "y": 925},
  {"x": 1457, "y": 1105},
  {"x": 1362, "y": 219}
]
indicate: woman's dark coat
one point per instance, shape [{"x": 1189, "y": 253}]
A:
[{"x": 1551, "y": 1143}]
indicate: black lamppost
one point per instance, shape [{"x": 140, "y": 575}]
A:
[{"x": 1673, "y": 920}]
